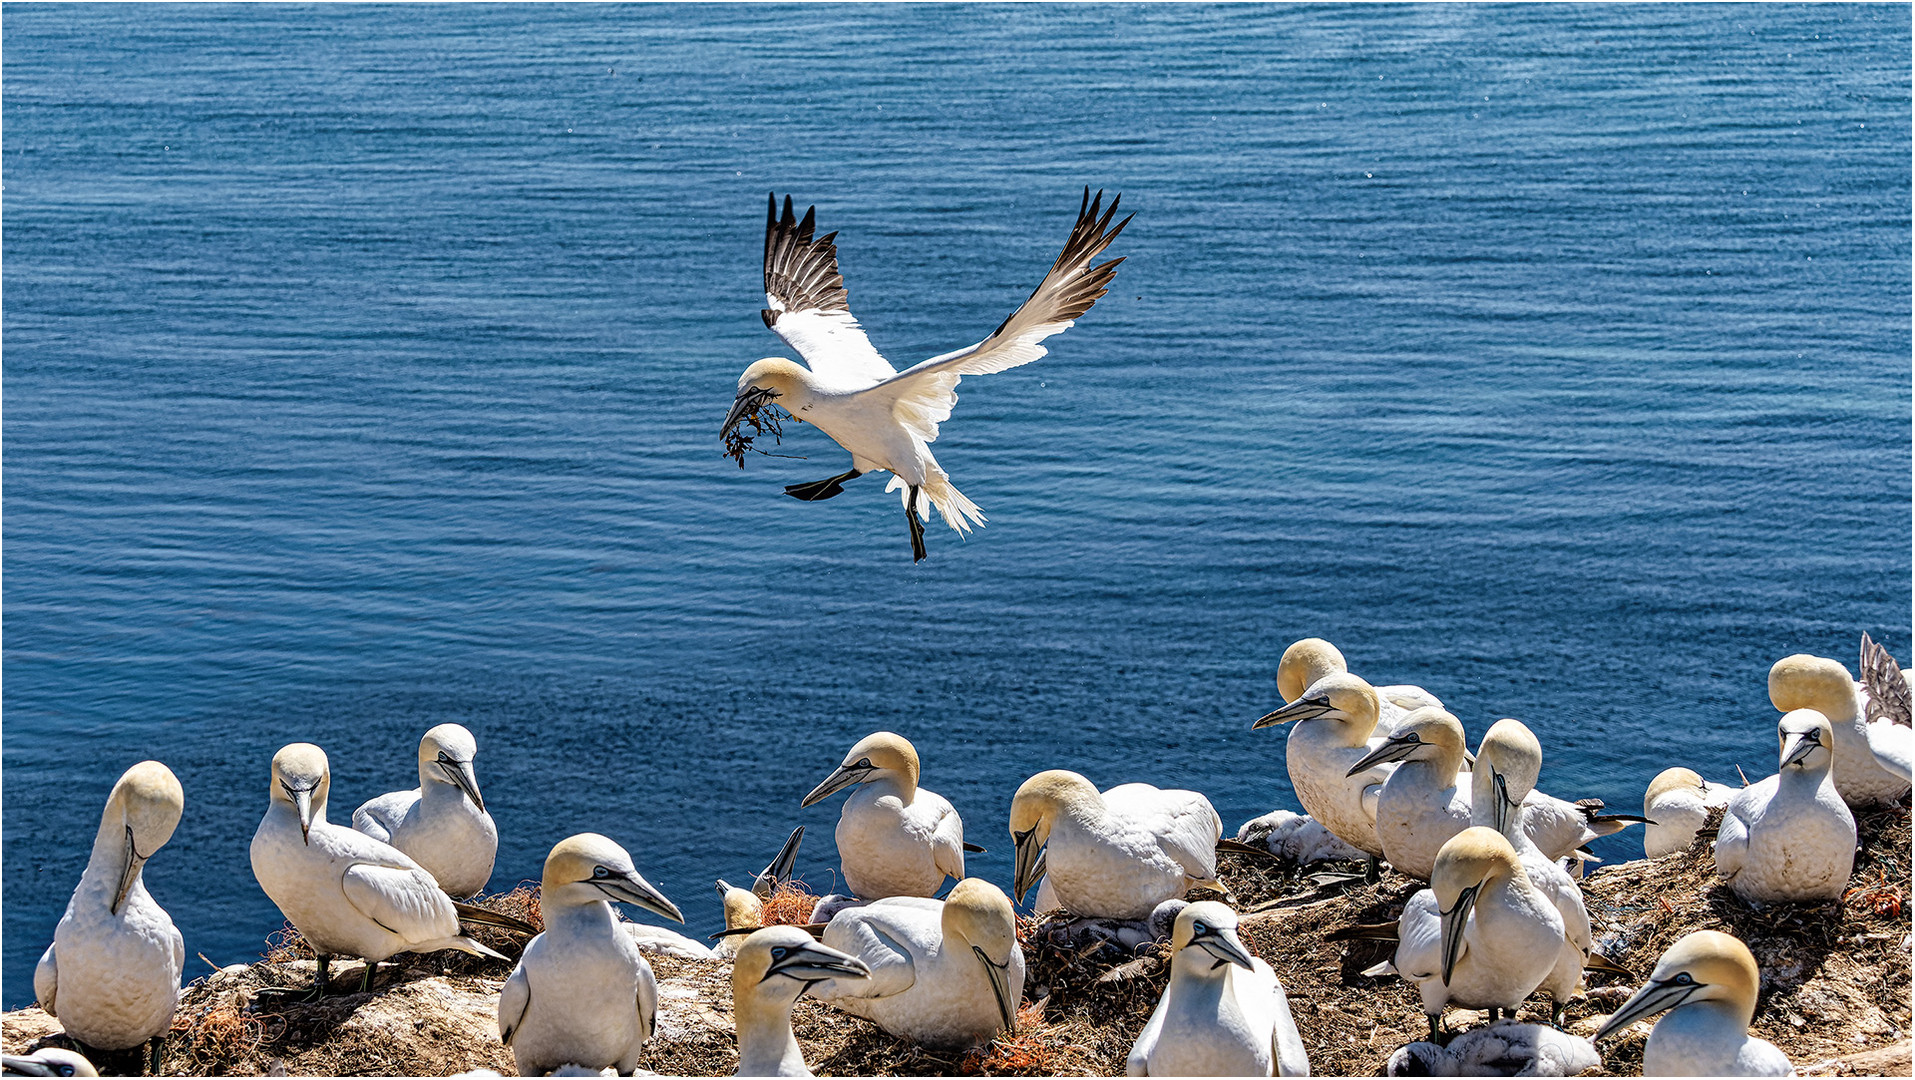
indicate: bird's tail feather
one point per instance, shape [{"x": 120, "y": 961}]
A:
[{"x": 959, "y": 512}]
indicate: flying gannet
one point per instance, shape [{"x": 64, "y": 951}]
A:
[
  {"x": 1813, "y": 682},
  {"x": 894, "y": 837},
  {"x": 1677, "y": 803},
  {"x": 1115, "y": 855},
  {"x": 773, "y": 969},
  {"x": 1224, "y": 1012},
  {"x": 442, "y": 824},
  {"x": 1790, "y": 837},
  {"x": 944, "y": 974},
  {"x": 1886, "y": 694},
  {"x": 346, "y": 893},
  {"x": 884, "y": 417},
  {"x": 1707, "y": 982},
  {"x": 582, "y": 994},
  {"x": 49, "y": 1061},
  {"x": 112, "y": 975}
]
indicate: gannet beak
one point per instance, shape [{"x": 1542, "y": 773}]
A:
[
  {"x": 811, "y": 963},
  {"x": 1499, "y": 814},
  {"x": 1797, "y": 746},
  {"x": 129, "y": 873},
  {"x": 1304, "y": 708},
  {"x": 1000, "y": 988},
  {"x": 723, "y": 886},
  {"x": 1227, "y": 948},
  {"x": 1027, "y": 862},
  {"x": 1392, "y": 750},
  {"x": 842, "y": 777},
  {"x": 1455, "y": 921},
  {"x": 748, "y": 398},
  {"x": 779, "y": 871},
  {"x": 460, "y": 773},
  {"x": 635, "y": 890},
  {"x": 1653, "y": 998},
  {"x": 303, "y": 800}
]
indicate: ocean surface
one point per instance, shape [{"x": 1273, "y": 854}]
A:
[{"x": 364, "y": 368}]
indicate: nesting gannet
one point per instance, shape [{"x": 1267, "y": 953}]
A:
[
  {"x": 442, "y": 823},
  {"x": 1307, "y": 661},
  {"x": 49, "y": 1061},
  {"x": 112, "y": 975},
  {"x": 582, "y": 994},
  {"x": 1336, "y": 723},
  {"x": 774, "y": 968},
  {"x": 885, "y": 418},
  {"x": 946, "y": 973},
  {"x": 1790, "y": 837},
  {"x": 1482, "y": 935},
  {"x": 1813, "y": 682},
  {"x": 1114, "y": 855},
  {"x": 745, "y": 908},
  {"x": 1708, "y": 983},
  {"x": 1503, "y": 1048},
  {"x": 1224, "y": 1012},
  {"x": 346, "y": 893},
  {"x": 1676, "y": 804},
  {"x": 1887, "y": 709},
  {"x": 894, "y": 837}
]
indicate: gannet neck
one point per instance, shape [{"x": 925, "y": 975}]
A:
[
  {"x": 1802, "y": 681},
  {"x": 1304, "y": 663},
  {"x": 140, "y": 815}
]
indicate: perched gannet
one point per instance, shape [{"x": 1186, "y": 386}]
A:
[
  {"x": 1708, "y": 982},
  {"x": 112, "y": 975},
  {"x": 442, "y": 823},
  {"x": 1813, "y": 682},
  {"x": 944, "y": 973},
  {"x": 1336, "y": 719},
  {"x": 1116, "y": 855},
  {"x": 346, "y": 893},
  {"x": 1676, "y": 804},
  {"x": 894, "y": 837},
  {"x": 1307, "y": 661},
  {"x": 49, "y": 1061},
  {"x": 582, "y": 994},
  {"x": 745, "y": 908},
  {"x": 1224, "y": 1012},
  {"x": 1481, "y": 936},
  {"x": 1886, "y": 697},
  {"x": 1790, "y": 837},
  {"x": 774, "y": 968},
  {"x": 885, "y": 418}
]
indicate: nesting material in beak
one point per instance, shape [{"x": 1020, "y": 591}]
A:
[{"x": 752, "y": 406}]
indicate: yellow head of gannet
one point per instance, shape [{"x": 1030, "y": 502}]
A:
[
  {"x": 588, "y": 868},
  {"x": 1705, "y": 966},
  {"x": 302, "y": 779},
  {"x": 1211, "y": 927},
  {"x": 1339, "y": 697},
  {"x": 1305, "y": 662},
  {"x": 790, "y": 953},
  {"x": 978, "y": 915},
  {"x": 1812, "y": 682},
  {"x": 881, "y": 753},
  {"x": 1807, "y": 740},
  {"x": 742, "y": 906},
  {"x": 47, "y": 1061},
  {"x": 1673, "y": 779},
  {"x": 1428, "y": 734},
  {"x": 1508, "y": 761},
  {"x": 773, "y": 380},
  {"x": 445, "y": 756},
  {"x": 1469, "y": 862},
  {"x": 1034, "y": 808},
  {"x": 145, "y": 807}
]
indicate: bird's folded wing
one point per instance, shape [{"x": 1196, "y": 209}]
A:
[
  {"x": 947, "y": 843},
  {"x": 407, "y": 902},
  {"x": 46, "y": 981},
  {"x": 379, "y": 817},
  {"x": 1732, "y": 841},
  {"x": 514, "y": 996},
  {"x": 647, "y": 1002},
  {"x": 893, "y": 971},
  {"x": 806, "y": 303},
  {"x": 1184, "y": 823}
]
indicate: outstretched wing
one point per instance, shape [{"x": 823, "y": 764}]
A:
[
  {"x": 1888, "y": 695},
  {"x": 805, "y": 302}
]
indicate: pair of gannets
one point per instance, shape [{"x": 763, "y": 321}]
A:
[
  {"x": 1308, "y": 661},
  {"x": 442, "y": 824},
  {"x": 1813, "y": 682},
  {"x": 773, "y": 969},
  {"x": 1677, "y": 803},
  {"x": 1790, "y": 837},
  {"x": 1223, "y": 1014},
  {"x": 582, "y": 993},
  {"x": 943, "y": 974},
  {"x": 894, "y": 837},
  {"x": 1114, "y": 855},
  {"x": 1707, "y": 984},
  {"x": 112, "y": 975}
]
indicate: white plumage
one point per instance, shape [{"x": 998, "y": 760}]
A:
[
  {"x": 1708, "y": 982},
  {"x": 1296, "y": 838},
  {"x": 1336, "y": 726},
  {"x": 894, "y": 837},
  {"x": 1813, "y": 682},
  {"x": 1114, "y": 855},
  {"x": 1223, "y": 1014},
  {"x": 773, "y": 969},
  {"x": 1677, "y": 803},
  {"x": 1503, "y": 1048},
  {"x": 442, "y": 824},
  {"x": 1790, "y": 837}
]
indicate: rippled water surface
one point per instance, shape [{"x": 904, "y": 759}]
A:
[{"x": 364, "y": 367}]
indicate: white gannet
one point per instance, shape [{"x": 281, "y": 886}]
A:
[
  {"x": 442, "y": 824},
  {"x": 944, "y": 974},
  {"x": 1336, "y": 727},
  {"x": 1503, "y": 1048},
  {"x": 1790, "y": 837},
  {"x": 886, "y": 418},
  {"x": 894, "y": 837},
  {"x": 774, "y": 968},
  {"x": 1813, "y": 682},
  {"x": 1224, "y": 1012},
  {"x": 1310, "y": 659},
  {"x": 1114, "y": 855},
  {"x": 49, "y": 1061},
  {"x": 1708, "y": 983},
  {"x": 1887, "y": 709},
  {"x": 582, "y": 994},
  {"x": 1676, "y": 804},
  {"x": 1482, "y": 936},
  {"x": 112, "y": 975},
  {"x": 745, "y": 908},
  {"x": 346, "y": 893}
]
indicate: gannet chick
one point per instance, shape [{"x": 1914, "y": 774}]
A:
[
  {"x": 1502, "y": 1048},
  {"x": 112, "y": 975},
  {"x": 441, "y": 824},
  {"x": 1708, "y": 983},
  {"x": 745, "y": 908},
  {"x": 1790, "y": 837},
  {"x": 1336, "y": 720},
  {"x": 1116, "y": 855},
  {"x": 1813, "y": 682},
  {"x": 944, "y": 974},
  {"x": 1307, "y": 661},
  {"x": 1482, "y": 936},
  {"x": 1887, "y": 707},
  {"x": 1422, "y": 803},
  {"x": 1224, "y": 1012},
  {"x": 582, "y": 993},
  {"x": 774, "y": 968},
  {"x": 346, "y": 893},
  {"x": 894, "y": 837},
  {"x": 1676, "y": 804},
  {"x": 48, "y": 1061}
]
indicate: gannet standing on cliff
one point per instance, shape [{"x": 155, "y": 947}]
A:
[
  {"x": 582, "y": 994},
  {"x": 1223, "y": 1014},
  {"x": 1814, "y": 682},
  {"x": 888, "y": 419},
  {"x": 774, "y": 968},
  {"x": 1114, "y": 855},
  {"x": 1790, "y": 837},
  {"x": 1677, "y": 803},
  {"x": 112, "y": 975},
  {"x": 1708, "y": 983},
  {"x": 442, "y": 824},
  {"x": 894, "y": 837}
]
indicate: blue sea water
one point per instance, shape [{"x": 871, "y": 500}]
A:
[{"x": 364, "y": 366}]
